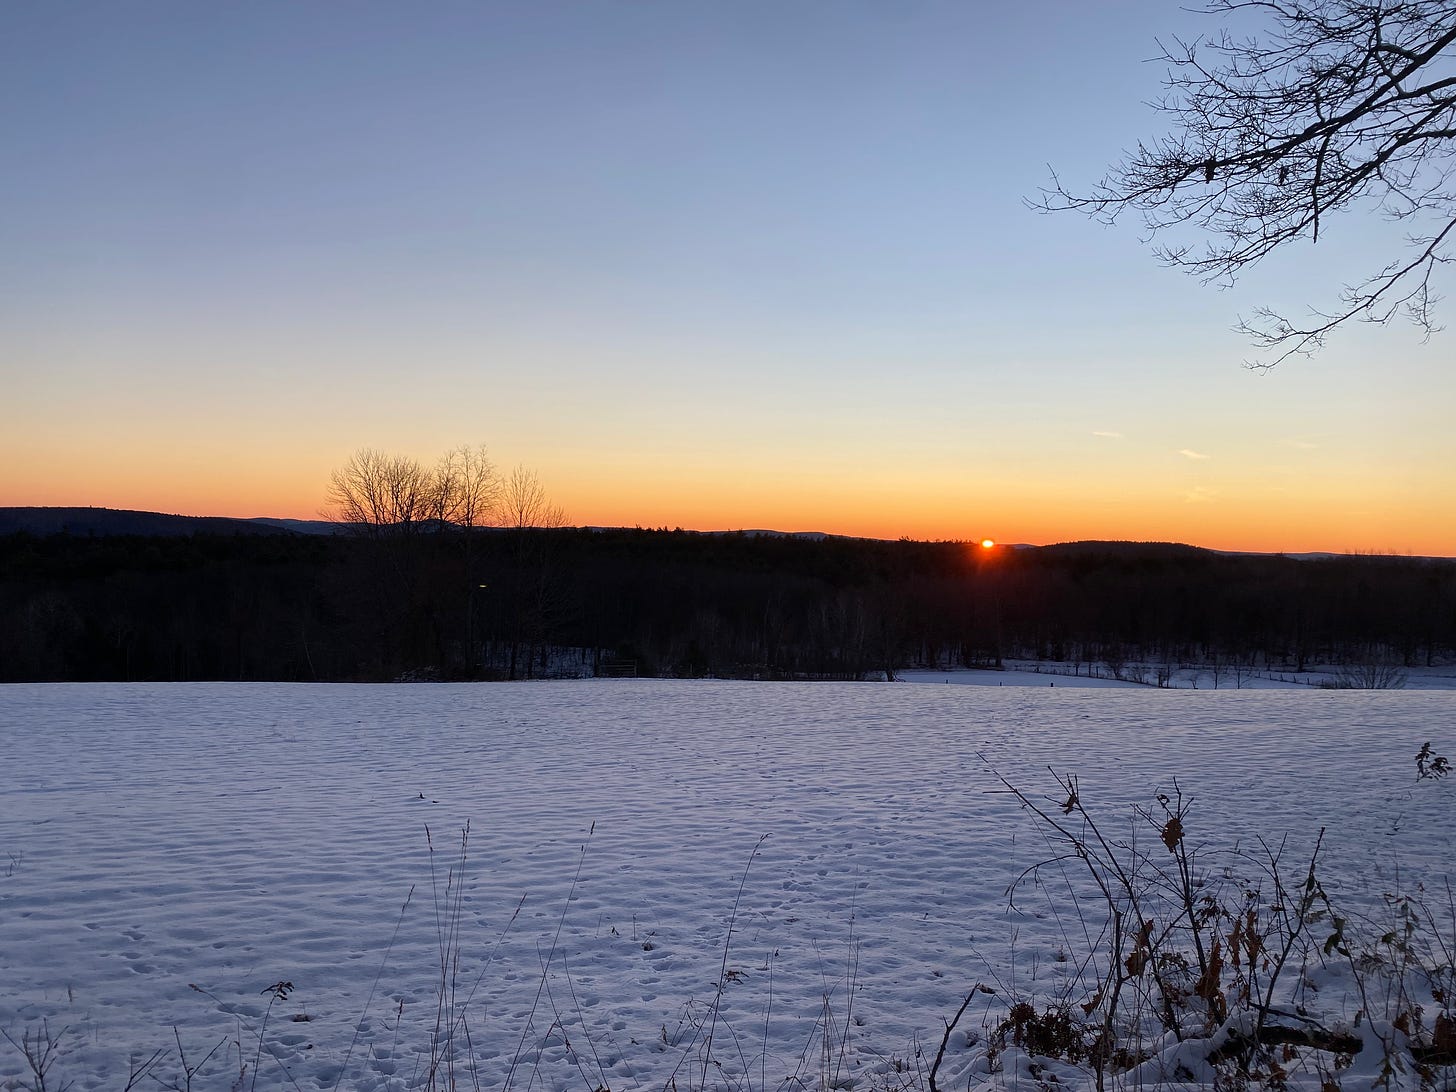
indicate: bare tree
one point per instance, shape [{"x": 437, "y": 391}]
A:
[
  {"x": 466, "y": 488},
  {"x": 388, "y": 500},
  {"x": 1327, "y": 106},
  {"x": 466, "y": 495},
  {"x": 524, "y": 504},
  {"x": 420, "y": 581},
  {"x": 531, "y": 600},
  {"x": 374, "y": 493}
]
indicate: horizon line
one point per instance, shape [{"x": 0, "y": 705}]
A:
[{"x": 663, "y": 528}]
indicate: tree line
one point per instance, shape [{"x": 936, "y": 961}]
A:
[
  {"x": 454, "y": 570},
  {"x": 449, "y": 601}
]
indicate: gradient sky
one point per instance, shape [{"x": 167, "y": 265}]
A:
[{"x": 708, "y": 265}]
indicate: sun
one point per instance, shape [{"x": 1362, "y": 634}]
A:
[{"x": 987, "y": 543}]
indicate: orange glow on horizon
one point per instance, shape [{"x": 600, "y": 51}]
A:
[
  {"x": 292, "y": 484},
  {"x": 1250, "y": 529}
]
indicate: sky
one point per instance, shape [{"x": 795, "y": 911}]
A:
[{"x": 702, "y": 265}]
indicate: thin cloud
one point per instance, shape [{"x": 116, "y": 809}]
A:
[
  {"x": 1189, "y": 453},
  {"x": 1200, "y": 495},
  {"x": 1107, "y": 435}
]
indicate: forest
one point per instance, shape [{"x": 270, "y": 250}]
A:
[{"x": 440, "y": 601}]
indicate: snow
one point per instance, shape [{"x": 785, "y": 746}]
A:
[
  {"x": 169, "y": 852},
  {"x": 1179, "y": 677}
]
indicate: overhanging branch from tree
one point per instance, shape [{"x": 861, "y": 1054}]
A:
[{"x": 1332, "y": 106}]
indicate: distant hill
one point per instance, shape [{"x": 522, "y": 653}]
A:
[
  {"x": 1116, "y": 548},
  {"x": 114, "y": 521},
  {"x": 119, "y": 521}
]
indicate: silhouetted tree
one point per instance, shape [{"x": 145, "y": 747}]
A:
[
  {"x": 1317, "y": 107},
  {"x": 531, "y": 592},
  {"x": 465, "y": 490},
  {"x": 467, "y": 493},
  {"x": 377, "y": 494}
]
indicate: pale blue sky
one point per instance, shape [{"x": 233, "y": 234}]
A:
[{"x": 699, "y": 263}]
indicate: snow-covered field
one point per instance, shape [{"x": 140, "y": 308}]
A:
[{"x": 169, "y": 853}]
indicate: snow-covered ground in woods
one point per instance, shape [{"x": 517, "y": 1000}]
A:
[
  {"x": 1178, "y": 677},
  {"x": 168, "y": 852}
]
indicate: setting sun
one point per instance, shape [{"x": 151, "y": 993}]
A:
[{"x": 987, "y": 543}]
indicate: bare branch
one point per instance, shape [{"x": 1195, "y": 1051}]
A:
[
  {"x": 1333, "y": 106},
  {"x": 374, "y": 493}
]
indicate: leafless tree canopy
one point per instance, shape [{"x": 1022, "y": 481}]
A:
[
  {"x": 374, "y": 492},
  {"x": 466, "y": 487},
  {"x": 1324, "y": 106},
  {"x": 524, "y": 504}
]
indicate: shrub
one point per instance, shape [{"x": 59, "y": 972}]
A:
[{"x": 1214, "y": 975}]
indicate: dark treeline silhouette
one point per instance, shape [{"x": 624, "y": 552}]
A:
[{"x": 441, "y": 602}]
